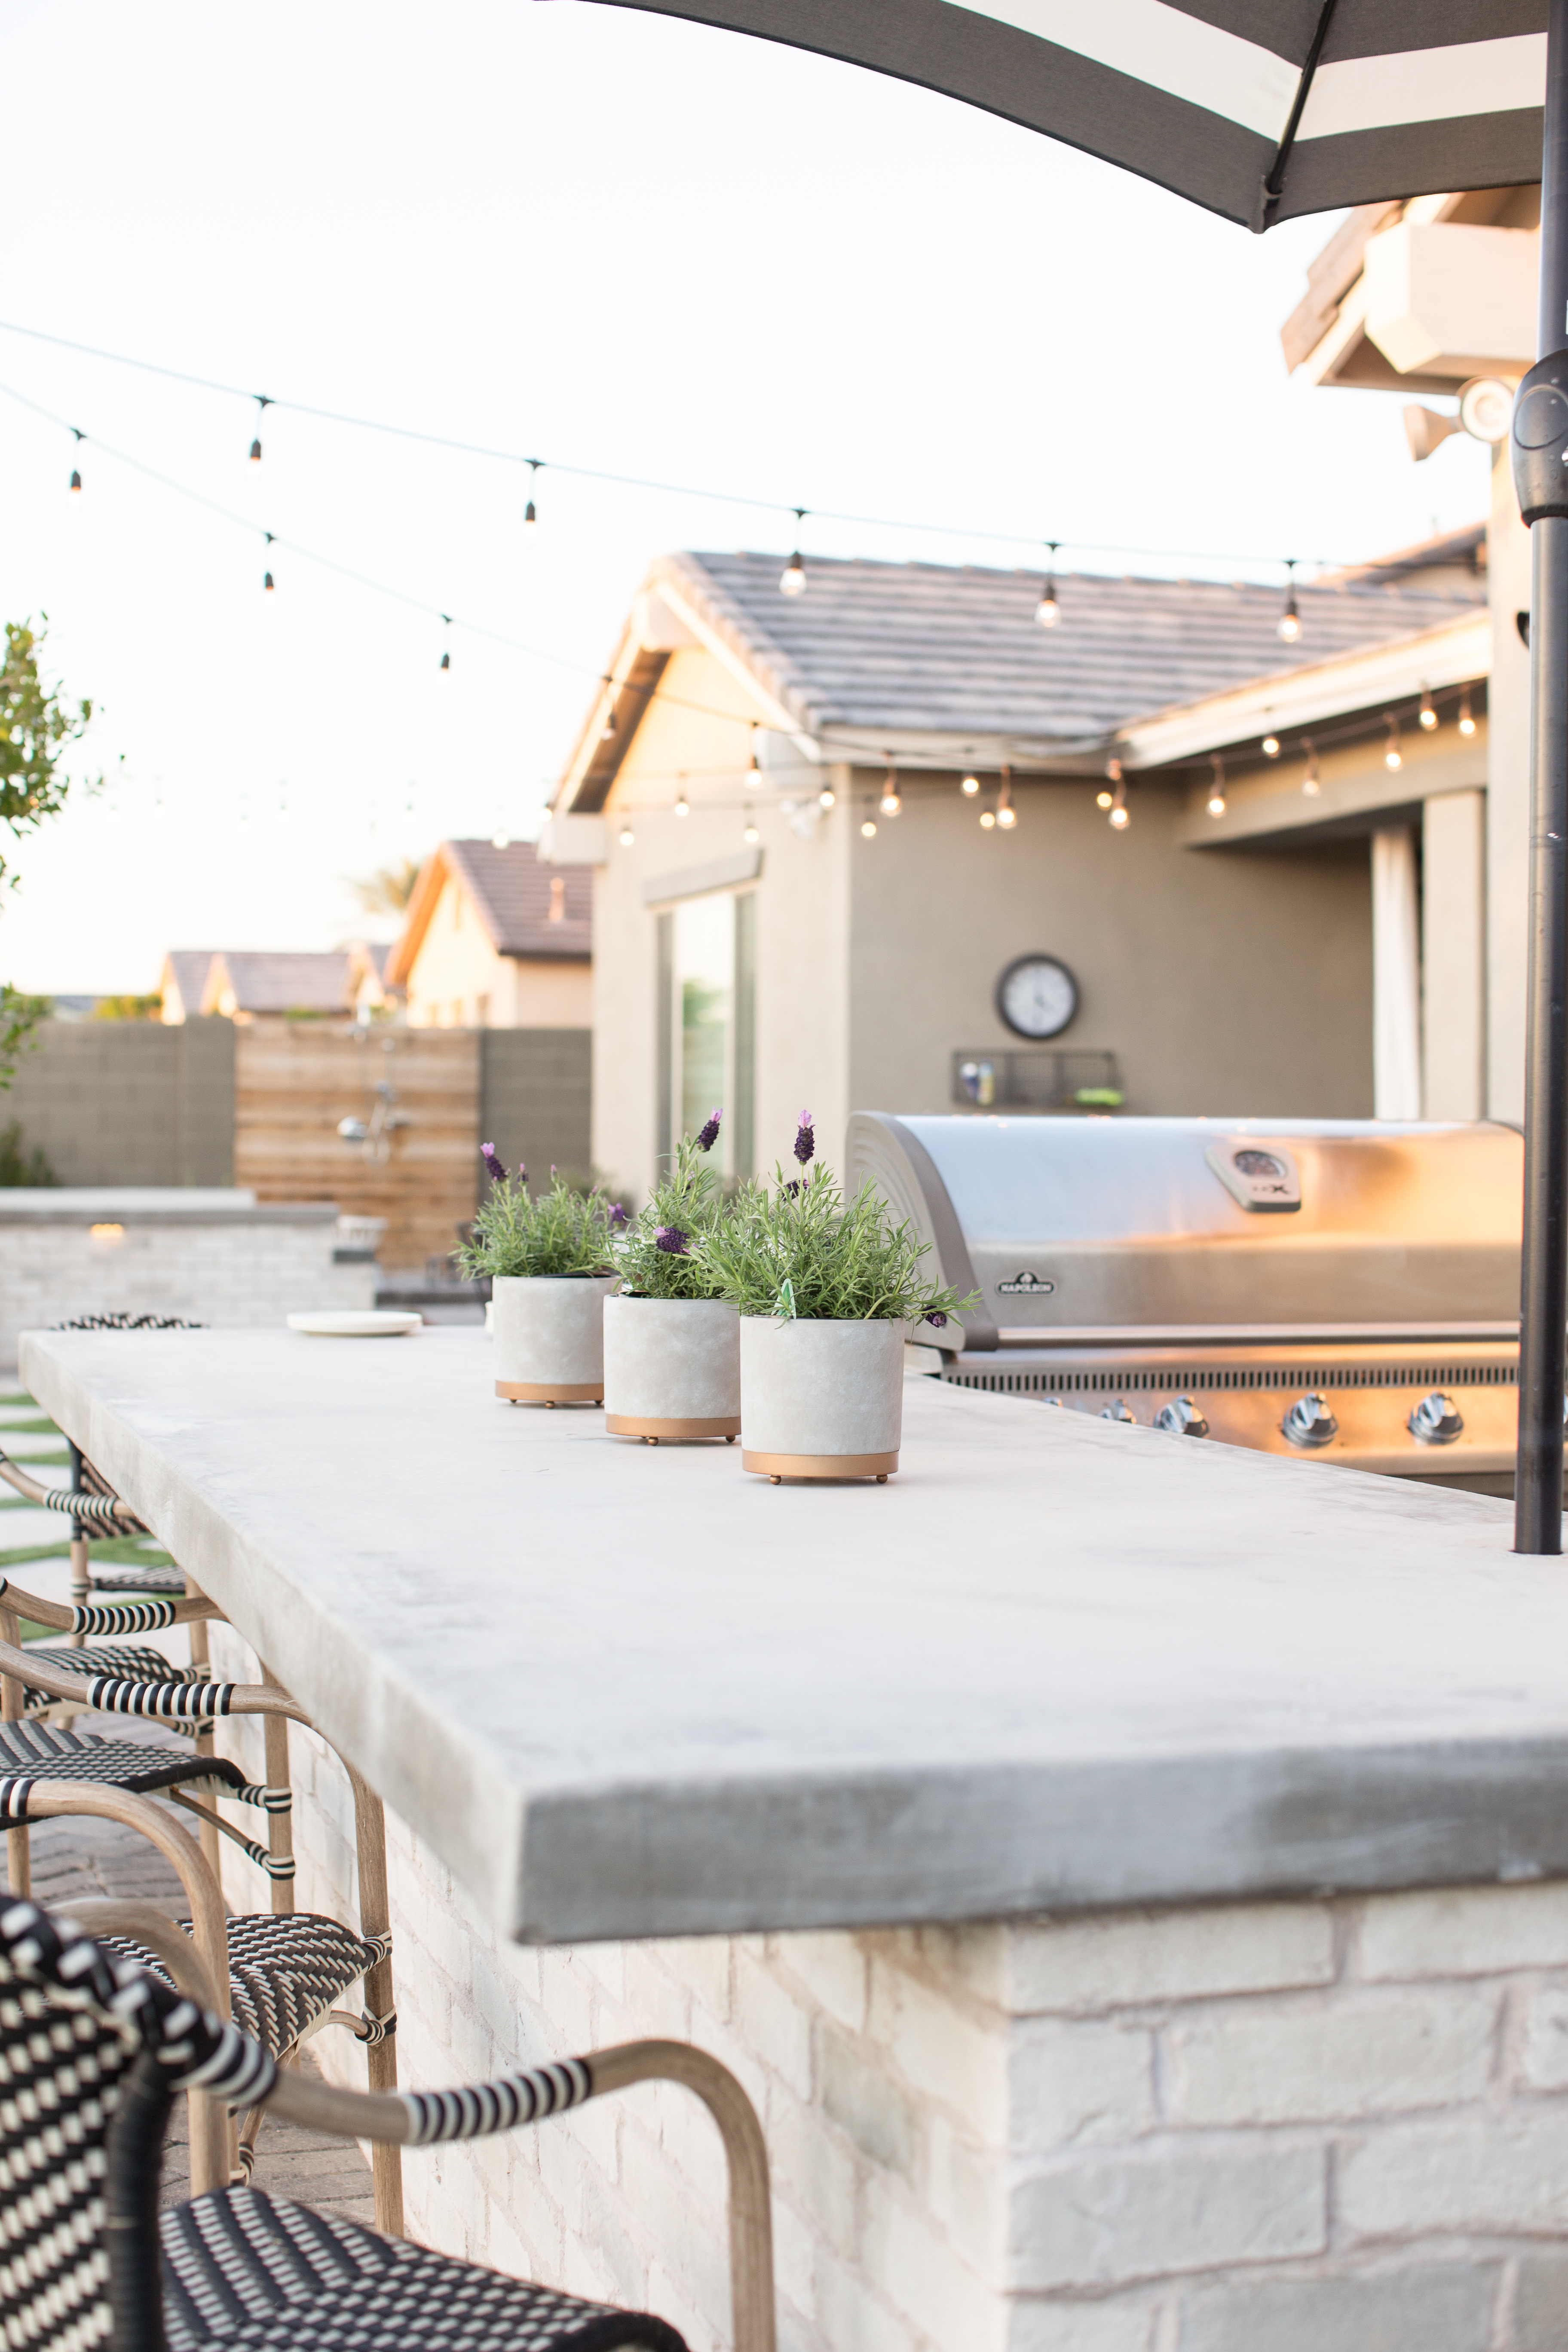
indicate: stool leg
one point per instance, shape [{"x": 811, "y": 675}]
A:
[
  {"x": 18, "y": 1856},
  {"x": 381, "y": 2057},
  {"x": 201, "y": 1656},
  {"x": 279, "y": 1826}
]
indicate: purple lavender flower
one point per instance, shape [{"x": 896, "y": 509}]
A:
[
  {"x": 938, "y": 1320},
  {"x": 707, "y": 1137},
  {"x": 806, "y": 1139},
  {"x": 495, "y": 1168},
  {"x": 618, "y": 1216},
  {"x": 793, "y": 1187},
  {"x": 670, "y": 1239}
]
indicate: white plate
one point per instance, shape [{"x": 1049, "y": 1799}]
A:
[{"x": 364, "y": 1324}]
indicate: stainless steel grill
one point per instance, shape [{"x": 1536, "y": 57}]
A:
[{"x": 1335, "y": 1290}]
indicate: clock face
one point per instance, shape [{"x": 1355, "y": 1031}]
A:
[{"x": 1036, "y": 996}]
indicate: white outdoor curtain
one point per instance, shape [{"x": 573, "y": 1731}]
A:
[{"x": 1395, "y": 975}]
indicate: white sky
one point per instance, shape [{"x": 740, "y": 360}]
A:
[{"x": 604, "y": 236}]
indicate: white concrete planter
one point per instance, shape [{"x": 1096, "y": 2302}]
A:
[
  {"x": 672, "y": 1368},
  {"x": 821, "y": 1400},
  {"x": 549, "y": 1332}
]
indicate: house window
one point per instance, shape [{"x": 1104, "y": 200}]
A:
[{"x": 705, "y": 997}]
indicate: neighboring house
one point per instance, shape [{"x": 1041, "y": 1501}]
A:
[
  {"x": 247, "y": 985},
  {"x": 826, "y": 825},
  {"x": 1438, "y": 295},
  {"x": 183, "y": 982},
  {"x": 495, "y": 941}
]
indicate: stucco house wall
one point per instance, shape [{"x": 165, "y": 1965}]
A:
[{"x": 457, "y": 980}]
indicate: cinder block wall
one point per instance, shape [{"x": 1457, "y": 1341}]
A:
[
  {"x": 129, "y": 1102},
  {"x": 535, "y": 1097},
  {"x": 1312, "y": 2126}
]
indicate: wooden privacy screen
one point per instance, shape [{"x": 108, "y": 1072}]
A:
[{"x": 294, "y": 1080}]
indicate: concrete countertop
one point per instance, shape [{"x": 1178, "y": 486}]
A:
[
  {"x": 1055, "y": 1663},
  {"x": 154, "y": 1204}
]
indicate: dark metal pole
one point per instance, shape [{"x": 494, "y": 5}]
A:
[{"x": 1543, "y": 1273}]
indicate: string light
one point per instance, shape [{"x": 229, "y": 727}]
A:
[
  {"x": 1047, "y": 611},
  {"x": 869, "y": 830},
  {"x": 1428, "y": 715},
  {"x": 754, "y": 777},
  {"x": 890, "y": 804},
  {"x": 266, "y": 576},
  {"x": 75, "y": 484},
  {"x": 827, "y": 797},
  {"x": 1289, "y": 619},
  {"x": 751, "y": 833},
  {"x": 1310, "y": 784},
  {"x": 1103, "y": 800},
  {"x": 970, "y": 786},
  {"x": 1216, "y": 790},
  {"x": 988, "y": 819},
  {"x": 500, "y": 840},
  {"x": 530, "y": 512},
  {"x": 1113, "y": 775},
  {"x": 794, "y": 581},
  {"x": 1271, "y": 747},
  {"x": 1467, "y": 723},
  {"x": 1393, "y": 757},
  {"x": 609, "y": 730},
  {"x": 263, "y": 404},
  {"x": 1120, "y": 814},
  {"x": 682, "y": 805},
  {"x": 627, "y": 836},
  {"x": 1006, "y": 814},
  {"x": 445, "y": 649}
]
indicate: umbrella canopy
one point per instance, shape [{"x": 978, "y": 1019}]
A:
[{"x": 1255, "y": 108}]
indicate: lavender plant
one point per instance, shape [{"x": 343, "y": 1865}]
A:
[
  {"x": 800, "y": 1249},
  {"x": 564, "y": 1231},
  {"x": 658, "y": 1254}
]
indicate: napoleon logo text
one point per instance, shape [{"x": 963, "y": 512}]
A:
[{"x": 1026, "y": 1286}]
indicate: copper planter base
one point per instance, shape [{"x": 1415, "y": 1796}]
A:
[
  {"x": 629, "y": 1424},
  {"x": 776, "y": 1466},
  {"x": 551, "y": 1391}
]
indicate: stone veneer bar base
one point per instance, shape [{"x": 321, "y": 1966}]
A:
[{"x": 1242, "y": 2128}]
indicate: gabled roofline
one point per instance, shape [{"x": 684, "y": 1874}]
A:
[
  {"x": 423, "y": 900},
  {"x": 1457, "y": 653}
]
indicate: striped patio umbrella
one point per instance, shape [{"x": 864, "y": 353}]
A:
[{"x": 1260, "y": 109}]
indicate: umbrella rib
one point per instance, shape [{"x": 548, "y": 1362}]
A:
[{"x": 1271, "y": 187}]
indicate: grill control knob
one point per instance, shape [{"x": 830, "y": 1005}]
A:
[
  {"x": 1437, "y": 1420},
  {"x": 1183, "y": 1418},
  {"x": 1117, "y": 1412},
  {"x": 1310, "y": 1422}
]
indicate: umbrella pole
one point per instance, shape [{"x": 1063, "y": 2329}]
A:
[{"x": 1543, "y": 1274}]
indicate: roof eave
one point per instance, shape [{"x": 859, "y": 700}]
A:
[{"x": 422, "y": 905}]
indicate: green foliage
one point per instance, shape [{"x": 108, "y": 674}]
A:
[
  {"x": 36, "y": 726},
  {"x": 689, "y": 1201},
  {"x": 128, "y": 1008},
  {"x": 20, "y": 1015},
  {"x": 564, "y": 1231},
  {"x": 388, "y": 890},
  {"x": 801, "y": 1250},
  {"x": 19, "y": 1167}
]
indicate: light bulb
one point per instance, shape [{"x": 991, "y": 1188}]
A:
[
  {"x": 1121, "y": 818},
  {"x": 501, "y": 841},
  {"x": 970, "y": 786},
  {"x": 1216, "y": 803},
  {"x": 1007, "y": 818},
  {"x": 75, "y": 484},
  {"x": 890, "y": 803},
  {"x": 1047, "y": 611},
  {"x": 793, "y": 583},
  {"x": 1428, "y": 716},
  {"x": 446, "y": 661},
  {"x": 988, "y": 818},
  {"x": 1291, "y": 624},
  {"x": 1310, "y": 784},
  {"x": 1393, "y": 757},
  {"x": 267, "y": 582},
  {"x": 1216, "y": 790},
  {"x": 826, "y": 798},
  {"x": 869, "y": 830},
  {"x": 1103, "y": 800},
  {"x": 1467, "y": 722},
  {"x": 1271, "y": 747},
  {"x": 255, "y": 453},
  {"x": 627, "y": 836},
  {"x": 608, "y": 730},
  {"x": 752, "y": 833},
  {"x": 531, "y": 516},
  {"x": 754, "y": 777},
  {"x": 683, "y": 806}
]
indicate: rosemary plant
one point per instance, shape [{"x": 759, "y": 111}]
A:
[
  {"x": 563, "y": 1232},
  {"x": 800, "y": 1249},
  {"x": 658, "y": 1255}
]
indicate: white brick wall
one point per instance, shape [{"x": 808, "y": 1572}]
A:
[
  {"x": 224, "y": 1274},
  {"x": 1331, "y": 2126}
]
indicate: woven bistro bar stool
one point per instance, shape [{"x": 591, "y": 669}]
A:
[
  {"x": 286, "y": 1969},
  {"x": 92, "y": 2051}
]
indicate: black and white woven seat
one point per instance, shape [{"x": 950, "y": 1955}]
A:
[
  {"x": 31, "y": 1751},
  {"x": 91, "y": 2052},
  {"x": 286, "y": 1971}
]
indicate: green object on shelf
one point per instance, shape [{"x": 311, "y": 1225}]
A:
[{"x": 1099, "y": 1098}]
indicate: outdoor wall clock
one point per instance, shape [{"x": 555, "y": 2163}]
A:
[{"x": 1036, "y": 996}]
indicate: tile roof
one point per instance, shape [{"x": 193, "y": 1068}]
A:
[
  {"x": 280, "y": 983},
  {"x": 513, "y": 894},
  {"x": 910, "y": 647}
]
